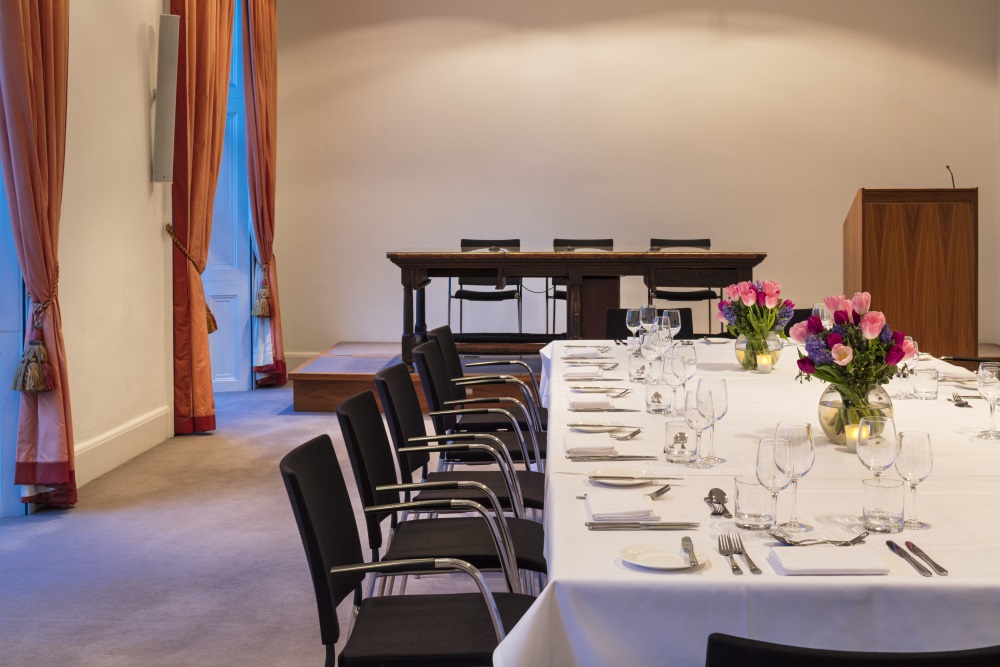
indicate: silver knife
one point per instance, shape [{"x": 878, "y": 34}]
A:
[
  {"x": 634, "y": 477},
  {"x": 927, "y": 559},
  {"x": 604, "y": 410},
  {"x": 688, "y": 547},
  {"x": 640, "y": 525},
  {"x": 612, "y": 458},
  {"x": 899, "y": 551}
]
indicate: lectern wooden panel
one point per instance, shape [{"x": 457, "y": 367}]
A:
[{"x": 916, "y": 252}]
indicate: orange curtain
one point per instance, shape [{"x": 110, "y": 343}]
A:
[
  {"x": 260, "y": 93},
  {"x": 206, "y": 33},
  {"x": 34, "y": 47}
]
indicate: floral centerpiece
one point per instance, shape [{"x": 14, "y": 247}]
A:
[
  {"x": 757, "y": 315},
  {"x": 856, "y": 355}
]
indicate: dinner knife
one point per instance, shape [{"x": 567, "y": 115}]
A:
[
  {"x": 612, "y": 458},
  {"x": 899, "y": 551},
  {"x": 604, "y": 410},
  {"x": 927, "y": 559},
  {"x": 688, "y": 547},
  {"x": 640, "y": 525},
  {"x": 634, "y": 477}
]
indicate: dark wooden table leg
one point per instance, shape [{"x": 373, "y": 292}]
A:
[{"x": 407, "y": 342}]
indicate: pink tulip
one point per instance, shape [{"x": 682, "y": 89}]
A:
[
  {"x": 721, "y": 317},
  {"x": 798, "y": 332},
  {"x": 872, "y": 323},
  {"x": 732, "y": 292},
  {"x": 749, "y": 298},
  {"x": 842, "y": 354},
  {"x": 862, "y": 301},
  {"x": 909, "y": 349}
]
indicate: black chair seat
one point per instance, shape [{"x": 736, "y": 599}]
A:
[
  {"x": 439, "y": 630},
  {"x": 532, "y": 486},
  {"x": 487, "y": 423},
  {"x": 475, "y": 295},
  {"x": 691, "y": 295},
  {"x": 445, "y": 537}
]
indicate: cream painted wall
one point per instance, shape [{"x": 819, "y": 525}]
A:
[
  {"x": 411, "y": 124},
  {"x": 114, "y": 287}
]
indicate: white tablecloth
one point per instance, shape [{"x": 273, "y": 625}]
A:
[{"x": 597, "y": 610}]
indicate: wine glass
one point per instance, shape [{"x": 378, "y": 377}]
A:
[
  {"x": 773, "y": 458},
  {"x": 913, "y": 463},
  {"x": 632, "y": 323},
  {"x": 647, "y": 315},
  {"x": 675, "y": 375},
  {"x": 906, "y": 373},
  {"x": 673, "y": 316},
  {"x": 802, "y": 456},
  {"x": 877, "y": 443},
  {"x": 649, "y": 348},
  {"x": 825, "y": 316},
  {"x": 697, "y": 419},
  {"x": 712, "y": 392},
  {"x": 988, "y": 381}
]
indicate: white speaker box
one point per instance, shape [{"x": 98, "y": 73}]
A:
[{"x": 166, "y": 99}]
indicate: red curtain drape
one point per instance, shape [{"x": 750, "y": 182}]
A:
[
  {"x": 260, "y": 93},
  {"x": 206, "y": 32},
  {"x": 34, "y": 48}
]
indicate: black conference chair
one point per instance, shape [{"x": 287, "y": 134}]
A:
[
  {"x": 615, "y": 329},
  {"x": 464, "y": 293},
  {"x": 555, "y": 289},
  {"x": 490, "y": 541},
  {"x": 707, "y": 294},
  {"x": 730, "y": 651},
  {"x": 406, "y": 423},
  {"x": 410, "y": 630}
]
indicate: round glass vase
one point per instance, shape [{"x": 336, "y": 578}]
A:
[
  {"x": 838, "y": 413},
  {"x": 754, "y": 350}
]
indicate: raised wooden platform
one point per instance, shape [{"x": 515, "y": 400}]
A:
[{"x": 346, "y": 369}]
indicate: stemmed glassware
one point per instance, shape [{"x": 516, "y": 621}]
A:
[
  {"x": 675, "y": 374},
  {"x": 712, "y": 392},
  {"x": 877, "y": 443},
  {"x": 773, "y": 459},
  {"x": 698, "y": 416},
  {"x": 988, "y": 381},
  {"x": 802, "y": 455},
  {"x": 825, "y": 316},
  {"x": 649, "y": 348},
  {"x": 647, "y": 316},
  {"x": 906, "y": 373},
  {"x": 673, "y": 317},
  {"x": 632, "y": 323},
  {"x": 913, "y": 463}
]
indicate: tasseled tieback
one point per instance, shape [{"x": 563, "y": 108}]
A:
[
  {"x": 33, "y": 373},
  {"x": 262, "y": 303},
  {"x": 213, "y": 326}
]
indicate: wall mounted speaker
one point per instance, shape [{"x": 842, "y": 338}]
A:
[{"x": 166, "y": 99}]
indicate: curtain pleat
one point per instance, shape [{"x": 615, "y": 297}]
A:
[
  {"x": 34, "y": 48},
  {"x": 206, "y": 30},
  {"x": 260, "y": 92}
]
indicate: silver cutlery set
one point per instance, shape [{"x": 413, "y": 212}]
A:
[{"x": 917, "y": 565}]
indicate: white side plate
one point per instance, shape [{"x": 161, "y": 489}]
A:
[{"x": 654, "y": 556}]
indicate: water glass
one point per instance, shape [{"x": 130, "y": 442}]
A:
[
  {"x": 877, "y": 443},
  {"x": 773, "y": 459},
  {"x": 659, "y": 395},
  {"x": 988, "y": 381},
  {"x": 914, "y": 462},
  {"x": 697, "y": 419},
  {"x": 925, "y": 384},
  {"x": 752, "y": 504},
  {"x": 680, "y": 446},
  {"x": 637, "y": 367},
  {"x": 882, "y": 504},
  {"x": 802, "y": 455}
]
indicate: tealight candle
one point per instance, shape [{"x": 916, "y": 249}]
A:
[
  {"x": 764, "y": 363},
  {"x": 853, "y": 431}
]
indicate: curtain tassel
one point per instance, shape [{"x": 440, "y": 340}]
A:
[
  {"x": 213, "y": 326},
  {"x": 34, "y": 374},
  {"x": 262, "y": 304}
]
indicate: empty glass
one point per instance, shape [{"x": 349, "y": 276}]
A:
[
  {"x": 904, "y": 378},
  {"x": 882, "y": 505},
  {"x": 673, "y": 318},
  {"x": 712, "y": 393},
  {"x": 773, "y": 458},
  {"x": 877, "y": 443},
  {"x": 825, "y": 316},
  {"x": 752, "y": 504},
  {"x": 632, "y": 323},
  {"x": 989, "y": 388},
  {"x": 925, "y": 384},
  {"x": 680, "y": 446},
  {"x": 637, "y": 366},
  {"x": 658, "y": 396},
  {"x": 802, "y": 455},
  {"x": 647, "y": 315},
  {"x": 698, "y": 417},
  {"x": 913, "y": 463}
]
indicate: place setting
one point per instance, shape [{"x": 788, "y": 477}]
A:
[{"x": 608, "y": 510}]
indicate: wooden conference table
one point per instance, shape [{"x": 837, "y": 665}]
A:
[
  {"x": 598, "y": 610},
  {"x": 592, "y": 278}
]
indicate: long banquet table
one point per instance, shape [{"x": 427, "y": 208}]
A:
[{"x": 597, "y": 610}]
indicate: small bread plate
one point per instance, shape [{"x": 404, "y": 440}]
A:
[
  {"x": 659, "y": 556},
  {"x": 597, "y": 427},
  {"x": 717, "y": 341},
  {"x": 621, "y": 477}
]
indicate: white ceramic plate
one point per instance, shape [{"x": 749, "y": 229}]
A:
[
  {"x": 656, "y": 556},
  {"x": 718, "y": 341},
  {"x": 642, "y": 476},
  {"x": 595, "y": 427}
]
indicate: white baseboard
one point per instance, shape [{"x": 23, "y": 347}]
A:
[{"x": 104, "y": 453}]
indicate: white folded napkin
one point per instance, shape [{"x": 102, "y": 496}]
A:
[
  {"x": 583, "y": 353},
  {"x": 590, "y": 403},
  {"x": 589, "y": 444},
  {"x": 859, "y": 559},
  {"x": 588, "y": 373},
  {"x": 620, "y": 506}
]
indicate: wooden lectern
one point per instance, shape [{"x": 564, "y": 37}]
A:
[{"x": 916, "y": 252}]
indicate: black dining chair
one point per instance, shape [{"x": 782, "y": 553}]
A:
[
  {"x": 555, "y": 288},
  {"x": 472, "y": 289},
  {"x": 706, "y": 294},
  {"x": 729, "y": 651},
  {"x": 398, "y": 630}
]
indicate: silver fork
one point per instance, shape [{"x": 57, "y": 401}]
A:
[
  {"x": 659, "y": 492},
  {"x": 717, "y": 508},
  {"x": 738, "y": 544},
  {"x": 627, "y": 436},
  {"x": 727, "y": 549},
  {"x": 621, "y": 393}
]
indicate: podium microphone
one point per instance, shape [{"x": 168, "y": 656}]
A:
[{"x": 952, "y": 176}]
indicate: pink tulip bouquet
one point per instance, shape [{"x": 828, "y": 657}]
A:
[
  {"x": 755, "y": 310},
  {"x": 856, "y": 354}
]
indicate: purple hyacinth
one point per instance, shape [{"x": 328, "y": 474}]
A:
[
  {"x": 784, "y": 315},
  {"x": 839, "y": 329},
  {"x": 727, "y": 311},
  {"x": 886, "y": 336},
  {"x": 817, "y": 350}
]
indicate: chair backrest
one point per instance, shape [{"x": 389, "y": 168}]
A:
[
  {"x": 569, "y": 245},
  {"x": 371, "y": 457},
  {"x": 322, "y": 508},
  {"x": 445, "y": 339},
  {"x": 497, "y": 245},
  {"x": 404, "y": 416},
  {"x": 698, "y": 244},
  {"x": 435, "y": 382},
  {"x": 726, "y": 650},
  {"x": 615, "y": 329}
]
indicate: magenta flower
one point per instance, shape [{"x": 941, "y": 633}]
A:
[
  {"x": 806, "y": 366},
  {"x": 871, "y": 324},
  {"x": 815, "y": 324},
  {"x": 834, "y": 339},
  {"x": 842, "y": 354},
  {"x": 862, "y": 301},
  {"x": 898, "y": 337},
  {"x": 798, "y": 332},
  {"x": 841, "y": 317},
  {"x": 894, "y": 356}
]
